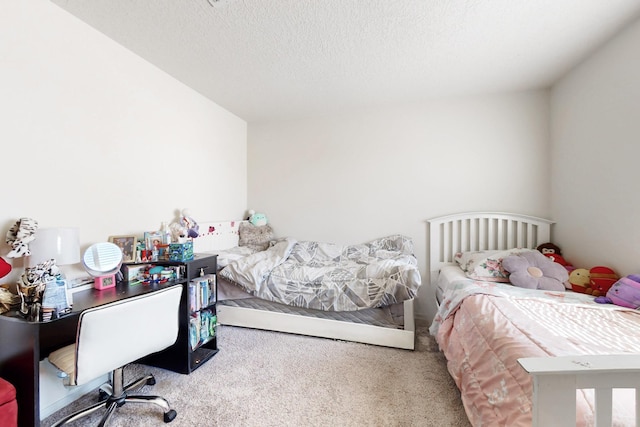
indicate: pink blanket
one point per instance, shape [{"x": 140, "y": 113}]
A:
[{"x": 484, "y": 328}]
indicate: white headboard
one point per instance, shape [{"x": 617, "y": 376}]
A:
[
  {"x": 216, "y": 235},
  {"x": 476, "y": 231}
]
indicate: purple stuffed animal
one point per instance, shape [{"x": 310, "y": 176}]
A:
[{"x": 625, "y": 292}]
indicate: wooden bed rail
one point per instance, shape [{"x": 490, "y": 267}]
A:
[{"x": 556, "y": 379}]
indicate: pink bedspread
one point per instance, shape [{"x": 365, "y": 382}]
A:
[{"x": 484, "y": 328}]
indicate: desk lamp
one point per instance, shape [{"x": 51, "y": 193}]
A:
[
  {"x": 61, "y": 244},
  {"x": 103, "y": 261}
]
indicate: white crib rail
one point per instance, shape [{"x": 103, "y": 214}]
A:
[{"x": 556, "y": 379}]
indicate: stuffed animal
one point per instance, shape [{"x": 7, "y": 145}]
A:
[
  {"x": 554, "y": 253},
  {"x": 257, "y": 219},
  {"x": 595, "y": 281},
  {"x": 20, "y": 235},
  {"x": 602, "y": 279},
  {"x": 532, "y": 270},
  {"x": 189, "y": 224},
  {"x": 5, "y": 268},
  {"x": 625, "y": 292},
  {"x": 579, "y": 280}
]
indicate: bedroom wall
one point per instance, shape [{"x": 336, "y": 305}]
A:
[
  {"x": 95, "y": 137},
  {"x": 595, "y": 140},
  {"x": 354, "y": 177}
]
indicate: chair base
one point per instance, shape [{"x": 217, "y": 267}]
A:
[{"x": 114, "y": 395}]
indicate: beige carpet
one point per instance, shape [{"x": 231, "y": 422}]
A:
[{"x": 262, "y": 378}]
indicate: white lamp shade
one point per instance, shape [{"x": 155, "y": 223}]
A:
[{"x": 61, "y": 244}]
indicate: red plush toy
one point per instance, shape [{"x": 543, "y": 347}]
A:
[
  {"x": 5, "y": 267},
  {"x": 602, "y": 278},
  {"x": 596, "y": 281},
  {"x": 554, "y": 253}
]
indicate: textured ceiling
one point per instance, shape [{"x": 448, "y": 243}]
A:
[{"x": 282, "y": 59}]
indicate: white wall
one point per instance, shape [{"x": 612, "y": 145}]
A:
[
  {"x": 596, "y": 150},
  {"x": 95, "y": 137},
  {"x": 353, "y": 178}
]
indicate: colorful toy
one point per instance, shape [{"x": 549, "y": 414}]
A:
[
  {"x": 189, "y": 224},
  {"x": 257, "y": 219},
  {"x": 579, "y": 280},
  {"x": 5, "y": 267},
  {"x": 20, "y": 235},
  {"x": 596, "y": 281},
  {"x": 625, "y": 292},
  {"x": 602, "y": 279},
  {"x": 554, "y": 253},
  {"x": 532, "y": 270}
]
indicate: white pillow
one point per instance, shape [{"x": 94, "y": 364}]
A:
[{"x": 486, "y": 265}]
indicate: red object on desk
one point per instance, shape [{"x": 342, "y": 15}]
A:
[{"x": 8, "y": 405}]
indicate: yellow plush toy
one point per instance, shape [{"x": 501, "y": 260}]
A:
[
  {"x": 579, "y": 280},
  {"x": 596, "y": 281}
]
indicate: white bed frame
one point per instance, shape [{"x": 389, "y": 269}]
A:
[
  {"x": 479, "y": 231},
  {"x": 555, "y": 379},
  {"x": 223, "y": 235}
]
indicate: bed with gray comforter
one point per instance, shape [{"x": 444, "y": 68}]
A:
[{"x": 328, "y": 276}]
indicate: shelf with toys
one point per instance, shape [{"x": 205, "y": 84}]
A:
[{"x": 196, "y": 341}]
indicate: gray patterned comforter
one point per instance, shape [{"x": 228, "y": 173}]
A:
[{"x": 331, "y": 277}]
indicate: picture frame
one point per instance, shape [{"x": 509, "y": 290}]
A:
[
  {"x": 153, "y": 238},
  {"x": 128, "y": 245}
]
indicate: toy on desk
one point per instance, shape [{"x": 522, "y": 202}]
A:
[
  {"x": 189, "y": 224},
  {"x": 184, "y": 228},
  {"x": 31, "y": 288},
  {"x": 155, "y": 274}
]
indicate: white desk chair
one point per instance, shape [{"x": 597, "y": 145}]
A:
[{"x": 113, "y": 335}]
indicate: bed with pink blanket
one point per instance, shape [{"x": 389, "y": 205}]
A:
[{"x": 486, "y": 329}]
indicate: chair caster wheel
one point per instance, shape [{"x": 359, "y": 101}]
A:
[
  {"x": 102, "y": 395},
  {"x": 151, "y": 381},
  {"x": 170, "y": 416}
]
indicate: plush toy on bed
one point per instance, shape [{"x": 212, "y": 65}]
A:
[
  {"x": 554, "y": 253},
  {"x": 257, "y": 219},
  {"x": 596, "y": 281},
  {"x": 625, "y": 293},
  {"x": 532, "y": 270}
]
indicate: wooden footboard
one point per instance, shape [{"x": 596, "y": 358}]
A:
[{"x": 556, "y": 379}]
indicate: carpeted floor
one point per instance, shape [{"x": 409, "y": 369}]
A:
[{"x": 262, "y": 378}]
